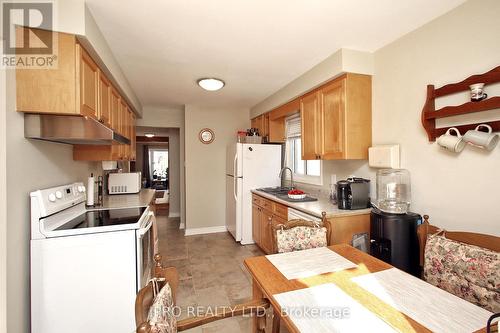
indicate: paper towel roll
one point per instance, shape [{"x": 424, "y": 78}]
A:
[{"x": 90, "y": 190}]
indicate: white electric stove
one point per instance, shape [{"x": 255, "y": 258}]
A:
[{"x": 86, "y": 265}]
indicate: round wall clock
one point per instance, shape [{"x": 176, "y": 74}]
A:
[{"x": 206, "y": 136}]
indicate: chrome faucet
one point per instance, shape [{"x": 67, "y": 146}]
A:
[{"x": 283, "y": 178}]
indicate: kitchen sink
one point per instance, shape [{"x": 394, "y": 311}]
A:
[
  {"x": 282, "y": 193},
  {"x": 275, "y": 190}
]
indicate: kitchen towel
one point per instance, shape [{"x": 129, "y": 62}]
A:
[
  {"x": 326, "y": 308},
  {"x": 432, "y": 307},
  {"x": 301, "y": 264}
]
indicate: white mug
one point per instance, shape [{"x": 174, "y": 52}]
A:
[
  {"x": 451, "y": 142},
  {"x": 486, "y": 140},
  {"x": 477, "y": 92}
]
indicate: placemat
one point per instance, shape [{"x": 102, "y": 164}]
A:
[
  {"x": 301, "y": 264},
  {"x": 432, "y": 307},
  {"x": 326, "y": 308}
]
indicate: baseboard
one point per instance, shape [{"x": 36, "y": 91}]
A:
[
  {"x": 207, "y": 230},
  {"x": 182, "y": 226},
  {"x": 171, "y": 214}
]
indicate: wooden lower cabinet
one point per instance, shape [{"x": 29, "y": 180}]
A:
[
  {"x": 266, "y": 239},
  {"x": 344, "y": 227},
  {"x": 266, "y": 214},
  {"x": 256, "y": 223}
]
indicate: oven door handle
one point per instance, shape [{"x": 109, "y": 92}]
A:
[{"x": 148, "y": 225}]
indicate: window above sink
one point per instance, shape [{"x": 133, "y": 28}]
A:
[{"x": 310, "y": 171}]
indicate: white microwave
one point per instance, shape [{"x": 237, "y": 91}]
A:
[{"x": 124, "y": 183}]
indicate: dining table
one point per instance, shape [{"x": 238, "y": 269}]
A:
[{"x": 269, "y": 282}]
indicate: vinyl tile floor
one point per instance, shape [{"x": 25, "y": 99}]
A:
[{"x": 211, "y": 273}]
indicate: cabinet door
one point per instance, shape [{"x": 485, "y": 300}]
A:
[
  {"x": 123, "y": 118},
  {"x": 115, "y": 110},
  {"x": 332, "y": 120},
  {"x": 265, "y": 231},
  {"x": 89, "y": 82},
  {"x": 133, "y": 145},
  {"x": 104, "y": 100},
  {"x": 256, "y": 224},
  {"x": 309, "y": 113},
  {"x": 265, "y": 125}
]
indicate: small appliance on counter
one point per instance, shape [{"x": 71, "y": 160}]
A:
[
  {"x": 394, "y": 239},
  {"x": 353, "y": 193},
  {"x": 124, "y": 183}
]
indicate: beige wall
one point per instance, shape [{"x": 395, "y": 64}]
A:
[
  {"x": 171, "y": 118},
  {"x": 342, "y": 61},
  {"x": 3, "y": 205},
  {"x": 31, "y": 165},
  {"x": 457, "y": 191},
  {"x": 206, "y": 164}
]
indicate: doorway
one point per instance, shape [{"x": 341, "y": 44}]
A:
[{"x": 158, "y": 160}]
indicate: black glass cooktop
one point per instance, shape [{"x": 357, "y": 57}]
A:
[{"x": 104, "y": 218}]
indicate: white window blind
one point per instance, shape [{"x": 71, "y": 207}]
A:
[{"x": 293, "y": 126}]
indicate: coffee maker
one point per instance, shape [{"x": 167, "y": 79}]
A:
[{"x": 353, "y": 193}]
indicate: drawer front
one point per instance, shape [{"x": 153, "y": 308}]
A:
[
  {"x": 256, "y": 200},
  {"x": 267, "y": 204},
  {"x": 281, "y": 210}
]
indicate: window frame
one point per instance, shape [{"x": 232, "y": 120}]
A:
[{"x": 299, "y": 178}]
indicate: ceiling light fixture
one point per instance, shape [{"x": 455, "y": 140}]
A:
[
  {"x": 149, "y": 135},
  {"x": 211, "y": 84}
]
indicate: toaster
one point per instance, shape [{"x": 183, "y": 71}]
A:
[
  {"x": 124, "y": 183},
  {"x": 353, "y": 193}
]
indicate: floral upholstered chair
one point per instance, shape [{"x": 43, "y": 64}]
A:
[
  {"x": 155, "y": 306},
  {"x": 462, "y": 263},
  {"x": 296, "y": 235}
]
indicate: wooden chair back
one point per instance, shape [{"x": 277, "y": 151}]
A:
[
  {"x": 302, "y": 223},
  {"x": 482, "y": 240},
  {"x": 145, "y": 297}
]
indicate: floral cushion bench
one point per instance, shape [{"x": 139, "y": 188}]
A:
[{"x": 464, "y": 264}]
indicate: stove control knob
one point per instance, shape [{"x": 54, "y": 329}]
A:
[
  {"x": 52, "y": 197},
  {"x": 81, "y": 188},
  {"x": 58, "y": 194}
]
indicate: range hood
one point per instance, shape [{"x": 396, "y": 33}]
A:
[{"x": 70, "y": 129}]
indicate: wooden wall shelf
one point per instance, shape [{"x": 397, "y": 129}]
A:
[{"x": 430, "y": 114}]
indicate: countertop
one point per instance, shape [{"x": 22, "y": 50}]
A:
[
  {"x": 141, "y": 199},
  {"x": 315, "y": 208}
]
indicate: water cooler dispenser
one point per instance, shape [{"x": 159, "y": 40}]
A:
[{"x": 393, "y": 229}]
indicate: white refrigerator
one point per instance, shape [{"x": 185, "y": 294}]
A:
[{"x": 248, "y": 166}]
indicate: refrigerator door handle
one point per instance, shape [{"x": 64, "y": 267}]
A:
[
  {"x": 235, "y": 187},
  {"x": 235, "y": 166}
]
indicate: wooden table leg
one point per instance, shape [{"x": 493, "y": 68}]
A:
[{"x": 259, "y": 323}]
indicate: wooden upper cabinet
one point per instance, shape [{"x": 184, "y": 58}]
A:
[
  {"x": 336, "y": 119},
  {"x": 310, "y": 116},
  {"x": 123, "y": 119},
  {"x": 262, "y": 124},
  {"x": 50, "y": 91},
  {"x": 104, "y": 100},
  {"x": 133, "y": 139},
  {"x": 332, "y": 111},
  {"x": 89, "y": 84},
  {"x": 115, "y": 110}
]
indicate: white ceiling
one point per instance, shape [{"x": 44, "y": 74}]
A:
[{"x": 256, "y": 46}]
